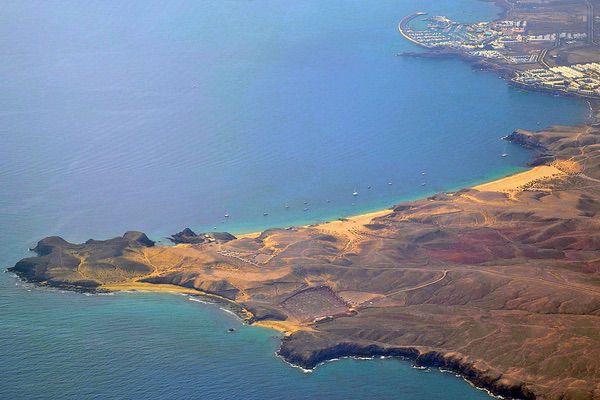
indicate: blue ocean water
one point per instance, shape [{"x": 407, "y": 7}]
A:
[
  {"x": 160, "y": 115},
  {"x": 153, "y": 116},
  {"x": 162, "y": 346}
]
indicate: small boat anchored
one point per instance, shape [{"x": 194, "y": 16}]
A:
[
  {"x": 504, "y": 153},
  {"x": 355, "y": 193}
]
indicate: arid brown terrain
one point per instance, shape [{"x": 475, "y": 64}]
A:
[{"x": 500, "y": 283}]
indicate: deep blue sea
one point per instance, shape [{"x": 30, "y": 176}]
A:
[{"x": 154, "y": 115}]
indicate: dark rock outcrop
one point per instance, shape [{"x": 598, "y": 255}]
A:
[
  {"x": 140, "y": 238},
  {"x": 310, "y": 358},
  {"x": 526, "y": 139},
  {"x": 189, "y": 236}
]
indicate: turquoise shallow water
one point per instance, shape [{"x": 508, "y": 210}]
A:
[
  {"x": 161, "y": 346},
  {"x": 160, "y": 115}
]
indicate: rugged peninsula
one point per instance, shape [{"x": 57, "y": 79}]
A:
[{"x": 500, "y": 283}]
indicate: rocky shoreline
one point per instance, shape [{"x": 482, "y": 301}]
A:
[
  {"x": 495, "y": 384},
  {"x": 459, "y": 281}
]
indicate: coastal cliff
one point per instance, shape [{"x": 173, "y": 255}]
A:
[
  {"x": 526, "y": 139},
  {"x": 498, "y": 283},
  {"x": 492, "y": 381}
]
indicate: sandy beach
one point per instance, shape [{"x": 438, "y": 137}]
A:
[
  {"x": 508, "y": 184},
  {"x": 519, "y": 180}
]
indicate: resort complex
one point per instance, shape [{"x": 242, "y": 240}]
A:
[
  {"x": 559, "y": 56},
  {"x": 577, "y": 79}
]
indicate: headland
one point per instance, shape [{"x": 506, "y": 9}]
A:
[{"x": 499, "y": 283}]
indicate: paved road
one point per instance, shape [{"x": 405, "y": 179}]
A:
[
  {"x": 543, "y": 55},
  {"x": 590, "y": 22}
]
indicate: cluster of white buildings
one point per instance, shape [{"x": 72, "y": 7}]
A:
[
  {"x": 551, "y": 37},
  {"x": 577, "y": 79},
  {"x": 573, "y": 36},
  {"x": 504, "y": 40},
  {"x": 511, "y": 24}
]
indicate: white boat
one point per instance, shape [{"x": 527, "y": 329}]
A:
[
  {"x": 355, "y": 193},
  {"x": 503, "y": 154},
  {"x": 226, "y": 215}
]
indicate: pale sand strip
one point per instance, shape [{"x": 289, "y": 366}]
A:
[
  {"x": 355, "y": 222},
  {"x": 150, "y": 287},
  {"x": 285, "y": 327},
  {"x": 516, "y": 182},
  {"x": 509, "y": 184},
  {"x": 250, "y": 235},
  {"x": 342, "y": 224}
]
